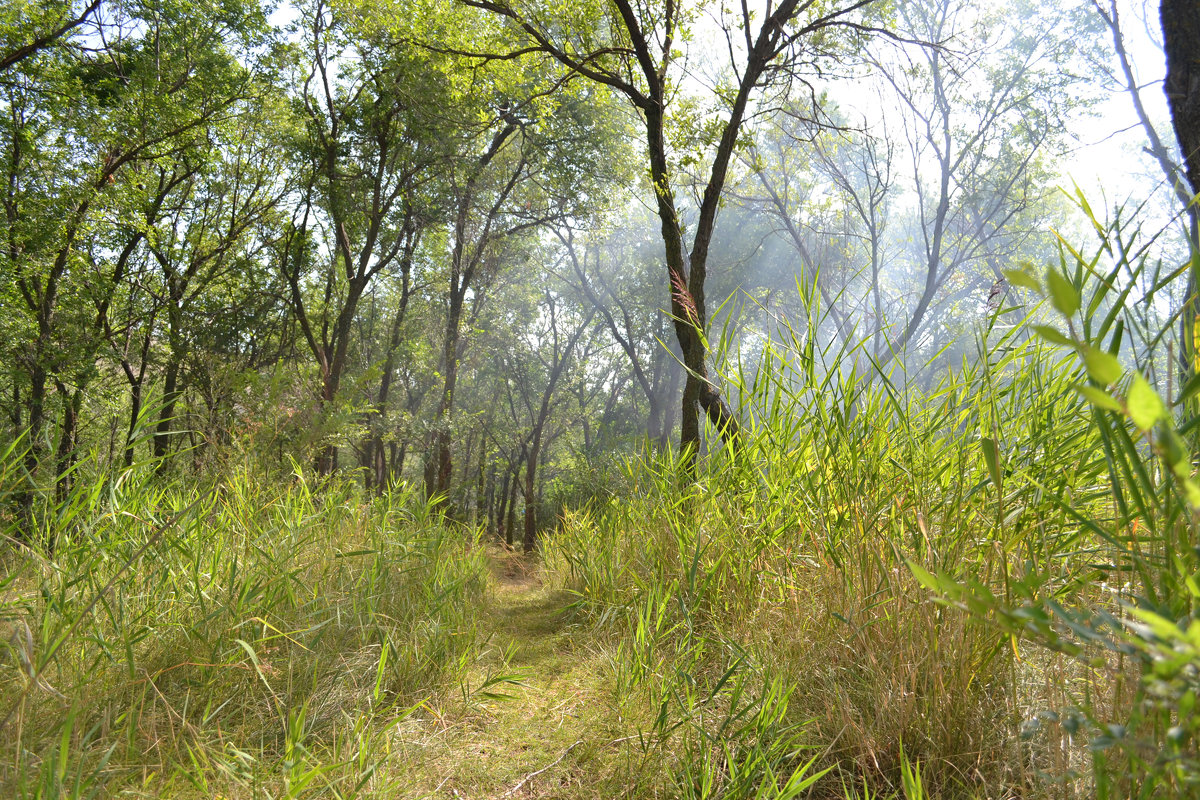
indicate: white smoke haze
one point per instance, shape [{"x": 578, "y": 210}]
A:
[{"x": 899, "y": 189}]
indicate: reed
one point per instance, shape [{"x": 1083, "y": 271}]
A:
[{"x": 243, "y": 638}]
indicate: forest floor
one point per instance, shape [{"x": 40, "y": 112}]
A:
[{"x": 551, "y": 727}]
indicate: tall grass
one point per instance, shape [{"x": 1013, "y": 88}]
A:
[
  {"x": 791, "y": 580},
  {"x": 968, "y": 581},
  {"x": 240, "y": 639}
]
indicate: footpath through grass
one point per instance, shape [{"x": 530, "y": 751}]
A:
[{"x": 541, "y": 717}]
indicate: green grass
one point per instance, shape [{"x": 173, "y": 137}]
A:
[
  {"x": 263, "y": 644},
  {"x": 977, "y": 585},
  {"x": 914, "y": 579}
]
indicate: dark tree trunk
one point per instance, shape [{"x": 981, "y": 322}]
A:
[
  {"x": 511, "y": 523},
  {"x": 34, "y": 447},
  {"x": 399, "y": 451},
  {"x": 439, "y": 469},
  {"x": 686, "y": 276},
  {"x": 67, "y": 441},
  {"x": 502, "y": 509},
  {"x": 162, "y": 431},
  {"x": 135, "y": 411},
  {"x": 1181, "y": 41},
  {"x": 136, "y": 380}
]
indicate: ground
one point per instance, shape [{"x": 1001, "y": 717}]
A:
[{"x": 556, "y": 731}]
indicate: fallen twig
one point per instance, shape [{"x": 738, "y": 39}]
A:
[{"x": 533, "y": 775}]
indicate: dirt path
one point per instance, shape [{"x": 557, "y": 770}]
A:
[{"x": 552, "y": 736}]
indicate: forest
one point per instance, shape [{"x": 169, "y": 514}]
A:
[{"x": 602, "y": 398}]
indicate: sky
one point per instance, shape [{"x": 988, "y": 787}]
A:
[{"x": 1110, "y": 145}]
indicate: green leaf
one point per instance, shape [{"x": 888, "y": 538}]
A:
[
  {"x": 991, "y": 454},
  {"x": 1021, "y": 278},
  {"x": 1052, "y": 335},
  {"x": 924, "y": 576},
  {"x": 946, "y": 588},
  {"x": 1162, "y": 627},
  {"x": 1144, "y": 404},
  {"x": 1098, "y": 397},
  {"x": 1174, "y": 451},
  {"x": 1189, "y": 390},
  {"x": 1102, "y": 367},
  {"x": 1062, "y": 293}
]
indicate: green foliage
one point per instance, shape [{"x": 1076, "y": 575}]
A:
[
  {"x": 1140, "y": 545},
  {"x": 232, "y": 638},
  {"x": 785, "y": 562}
]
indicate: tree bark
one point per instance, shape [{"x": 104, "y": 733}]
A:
[
  {"x": 511, "y": 523},
  {"x": 67, "y": 442},
  {"x": 171, "y": 393},
  {"x": 1181, "y": 41}
]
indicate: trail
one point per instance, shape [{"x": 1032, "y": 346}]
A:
[{"x": 553, "y": 735}]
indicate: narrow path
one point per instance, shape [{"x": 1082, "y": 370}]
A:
[{"x": 552, "y": 736}]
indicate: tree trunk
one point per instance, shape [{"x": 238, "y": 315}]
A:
[
  {"x": 135, "y": 411},
  {"x": 171, "y": 393},
  {"x": 34, "y": 449},
  {"x": 1181, "y": 42},
  {"x": 511, "y": 523},
  {"x": 67, "y": 442},
  {"x": 686, "y": 278},
  {"x": 399, "y": 451},
  {"x": 440, "y": 466},
  {"x": 531, "y": 463}
]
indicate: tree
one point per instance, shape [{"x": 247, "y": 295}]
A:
[
  {"x": 828, "y": 188},
  {"x": 981, "y": 113},
  {"x": 1181, "y": 42},
  {"x": 612, "y": 269},
  {"x": 23, "y": 36},
  {"x": 371, "y": 138},
  {"x": 215, "y": 211},
  {"x": 76, "y": 123},
  {"x": 1126, "y": 79},
  {"x": 634, "y": 50},
  {"x": 553, "y": 344},
  {"x": 541, "y": 159}
]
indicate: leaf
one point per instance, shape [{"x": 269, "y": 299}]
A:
[
  {"x": 1144, "y": 405},
  {"x": 1159, "y": 625},
  {"x": 945, "y": 587},
  {"x": 1191, "y": 491},
  {"x": 991, "y": 455},
  {"x": 1098, "y": 397},
  {"x": 1052, "y": 335},
  {"x": 1021, "y": 278},
  {"x": 1190, "y": 388},
  {"x": 1062, "y": 293},
  {"x": 924, "y": 576},
  {"x": 1102, "y": 367}
]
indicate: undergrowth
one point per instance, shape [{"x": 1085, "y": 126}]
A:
[
  {"x": 968, "y": 581},
  {"x": 964, "y": 582},
  {"x": 256, "y": 639}
]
